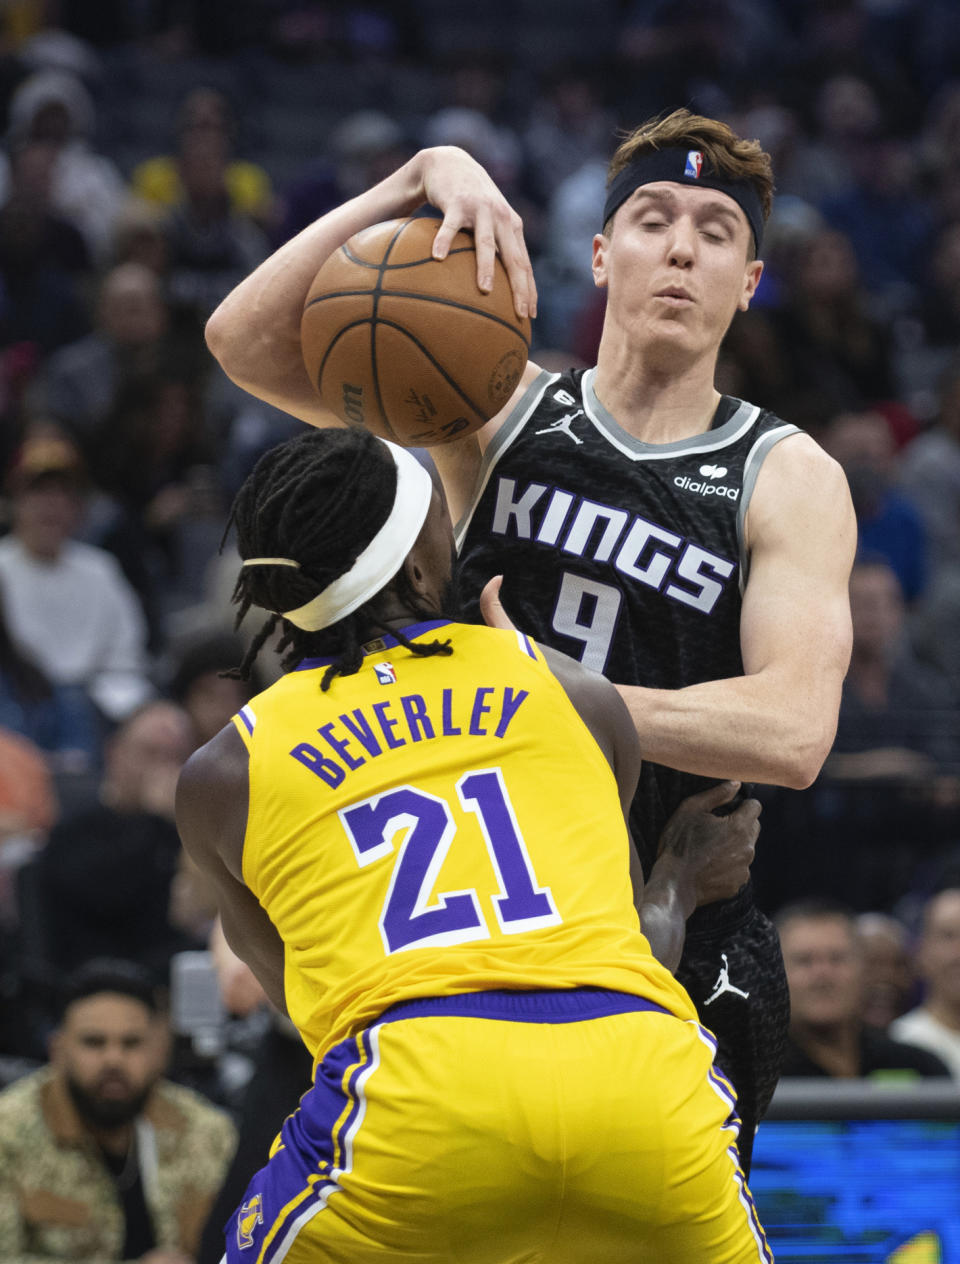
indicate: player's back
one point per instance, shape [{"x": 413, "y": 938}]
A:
[{"x": 434, "y": 825}]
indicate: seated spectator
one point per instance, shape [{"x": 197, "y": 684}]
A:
[
  {"x": 79, "y": 383},
  {"x": 211, "y": 248},
  {"x": 887, "y": 968},
  {"x": 103, "y": 882},
  {"x": 162, "y": 513},
  {"x": 898, "y": 718},
  {"x": 935, "y": 1023},
  {"x": 823, "y": 957},
  {"x": 827, "y": 330},
  {"x": 87, "y": 188},
  {"x": 930, "y": 472},
  {"x": 365, "y": 147},
  {"x": 205, "y": 111},
  {"x": 44, "y": 262},
  {"x": 59, "y": 719},
  {"x": 888, "y": 522},
  {"x": 100, "y": 1157},
  {"x": 198, "y": 684},
  {"x": 67, "y": 604}
]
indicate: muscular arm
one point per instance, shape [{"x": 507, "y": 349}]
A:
[
  {"x": 255, "y": 332},
  {"x": 212, "y": 799},
  {"x": 776, "y": 723}
]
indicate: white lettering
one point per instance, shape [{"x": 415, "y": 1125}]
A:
[
  {"x": 554, "y": 518},
  {"x": 588, "y": 515},
  {"x": 638, "y": 537},
  {"x": 519, "y": 510}
]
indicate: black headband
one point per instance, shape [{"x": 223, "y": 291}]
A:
[{"x": 683, "y": 166}]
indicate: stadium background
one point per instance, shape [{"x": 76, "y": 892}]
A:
[{"x": 155, "y": 150}]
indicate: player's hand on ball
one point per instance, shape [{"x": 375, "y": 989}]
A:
[
  {"x": 717, "y": 849},
  {"x": 456, "y": 184}
]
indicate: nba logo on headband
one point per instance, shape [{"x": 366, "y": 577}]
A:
[{"x": 694, "y": 164}]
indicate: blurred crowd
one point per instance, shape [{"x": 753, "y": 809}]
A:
[{"x": 154, "y": 153}]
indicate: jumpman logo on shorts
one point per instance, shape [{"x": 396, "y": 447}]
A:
[
  {"x": 563, "y": 424},
  {"x": 723, "y": 983}
]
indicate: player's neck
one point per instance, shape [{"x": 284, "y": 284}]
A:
[{"x": 651, "y": 399}]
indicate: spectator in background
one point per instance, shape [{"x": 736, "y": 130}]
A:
[
  {"x": 887, "y": 969},
  {"x": 823, "y": 957},
  {"x": 211, "y": 247},
  {"x": 569, "y": 126},
  {"x": 198, "y": 684},
  {"x": 929, "y": 472},
  {"x": 888, "y": 223},
  {"x": 104, "y": 880},
  {"x": 162, "y": 515},
  {"x": 100, "y": 1157},
  {"x": 79, "y": 384},
  {"x": 205, "y": 113},
  {"x": 67, "y": 604},
  {"x": 87, "y": 188},
  {"x": 898, "y": 719},
  {"x": 364, "y": 148},
  {"x": 889, "y": 524},
  {"x": 935, "y": 1023},
  {"x": 44, "y": 262},
  {"x": 58, "y": 719},
  {"x": 827, "y": 331}
]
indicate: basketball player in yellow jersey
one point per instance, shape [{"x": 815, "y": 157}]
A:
[{"x": 418, "y": 842}]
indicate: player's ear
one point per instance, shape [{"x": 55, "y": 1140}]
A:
[
  {"x": 751, "y": 279},
  {"x": 600, "y": 243}
]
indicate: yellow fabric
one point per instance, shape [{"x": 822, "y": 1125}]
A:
[
  {"x": 248, "y": 186},
  {"x": 600, "y": 1141},
  {"x": 331, "y": 910}
]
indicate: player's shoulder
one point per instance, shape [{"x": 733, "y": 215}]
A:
[{"x": 799, "y": 465}]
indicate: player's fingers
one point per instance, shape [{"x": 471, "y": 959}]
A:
[
  {"x": 494, "y": 615},
  {"x": 485, "y": 244},
  {"x": 712, "y": 797},
  {"x": 516, "y": 261},
  {"x": 452, "y": 223}
]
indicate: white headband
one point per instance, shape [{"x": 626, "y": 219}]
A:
[{"x": 379, "y": 561}]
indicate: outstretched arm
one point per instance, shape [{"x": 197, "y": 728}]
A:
[{"x": 212, "y": 799}]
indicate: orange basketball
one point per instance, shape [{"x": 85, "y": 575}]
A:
[{"x": 406, "y": 344}]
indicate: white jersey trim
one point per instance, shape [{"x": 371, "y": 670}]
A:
[
  {"x": 732, "y": 429},
  {"x": 751, "y": 468}
]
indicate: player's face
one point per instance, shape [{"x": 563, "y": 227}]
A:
[
  {"x": 939, "y": 956},
  {"x": 110, "y": 1051},
  {"x": 824, "y": 970},
  {"x": 676, "y": 269}
]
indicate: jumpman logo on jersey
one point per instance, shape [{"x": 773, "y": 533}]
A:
[
  {"x": 723, "y": 983},
  {"x": 562, "y": 425}
]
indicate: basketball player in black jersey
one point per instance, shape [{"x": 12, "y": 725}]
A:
[{"x": 693, "y": 547}]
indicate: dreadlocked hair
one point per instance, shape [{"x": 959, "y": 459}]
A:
[{"x": 319, "y": 500}]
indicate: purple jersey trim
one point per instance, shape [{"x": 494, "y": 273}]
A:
[
  {"x": 386, "y": 642},
  {"x": 567, "y": 1006}
]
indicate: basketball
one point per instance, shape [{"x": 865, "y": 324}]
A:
[{"x": 407, "y": 345}]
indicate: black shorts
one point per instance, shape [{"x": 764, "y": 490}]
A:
[{"x": 733, "y": 970}]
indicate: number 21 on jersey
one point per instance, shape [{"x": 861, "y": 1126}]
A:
[{"x": 412, "y": 916}]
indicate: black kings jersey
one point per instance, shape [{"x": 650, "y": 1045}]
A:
[{"x": 626, "y": 555}]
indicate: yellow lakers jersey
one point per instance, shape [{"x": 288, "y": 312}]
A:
[{"x": 435, "y": 825}]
